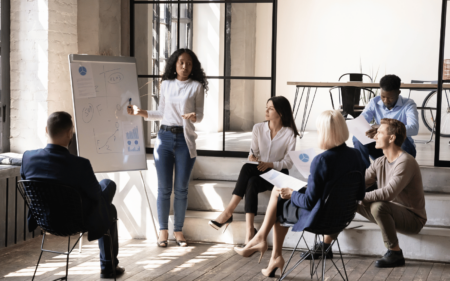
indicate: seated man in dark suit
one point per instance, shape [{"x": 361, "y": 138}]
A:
[{"x": 55, "y": 163}]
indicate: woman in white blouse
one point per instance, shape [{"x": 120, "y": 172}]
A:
[
  {"x": 180, "y": 106},
  {"x": 271, "y": 142}
]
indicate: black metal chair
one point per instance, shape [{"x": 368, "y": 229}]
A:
[
  {"x": 338, "y": 212},
  {"x": 351, "y": 95},
  {"x": 349, "y": 105},
  {"x": 58, "y": 210}
]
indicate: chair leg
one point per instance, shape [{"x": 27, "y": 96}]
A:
[
  {"x": 81, "y": 242},
  {"x": 39, "y": 260},
  {"x": 111, "y": 253},
  {"x": 67, "y": 260},
  {"x": 284, "y": 273}
]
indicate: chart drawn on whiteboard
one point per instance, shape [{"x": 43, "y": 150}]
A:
[
  {"x": 132, "y": 140},
  {"x": 109, "y": 141}
]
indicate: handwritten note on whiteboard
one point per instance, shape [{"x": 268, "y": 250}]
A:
[{"x": 83, "y": 80}]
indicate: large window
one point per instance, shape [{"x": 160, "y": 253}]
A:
[{"x": 234, "y": 41}]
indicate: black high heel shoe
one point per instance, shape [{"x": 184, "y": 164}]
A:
[{"x": 218, "y": 226}]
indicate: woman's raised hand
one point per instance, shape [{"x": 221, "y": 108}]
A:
[{"x": 136, "y": 111}]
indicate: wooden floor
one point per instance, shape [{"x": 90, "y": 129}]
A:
[{"x": 145, "y": 261}]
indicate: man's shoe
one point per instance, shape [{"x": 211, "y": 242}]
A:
[
  {"x": 391, "y": 259},
  {"x": 317, "y": 252},
  {"x": 110, "y": 274}
]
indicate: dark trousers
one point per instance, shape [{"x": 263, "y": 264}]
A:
[
  {"x": 370, "y": 150},
  {"x": 104, "y": 244},
  {"x": 249, "y": 184}
]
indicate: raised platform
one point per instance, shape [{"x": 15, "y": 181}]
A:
[{"x": 214, "y": 180}]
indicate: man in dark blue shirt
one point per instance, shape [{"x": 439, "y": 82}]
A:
[{"x": 55, "y": 163}]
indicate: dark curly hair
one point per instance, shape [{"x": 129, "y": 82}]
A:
[
  {"x": 390, "y": 82},
  {"x": 197, "y": 73}
]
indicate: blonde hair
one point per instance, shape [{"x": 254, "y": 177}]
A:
[{"x": 332, "y": 129}]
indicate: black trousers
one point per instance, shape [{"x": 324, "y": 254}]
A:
[
  {"x": 108, "y": 191},
  {"x": 249, "y": 184}
]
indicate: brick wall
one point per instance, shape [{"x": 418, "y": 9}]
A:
[{"x": 43, "y": 33}]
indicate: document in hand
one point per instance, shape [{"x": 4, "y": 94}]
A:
[
  {"x": 251, "y": 162},
  {"x": 358, "y": 128},
  {"x": 281, "y": 180},
  {"x": 302, "y": 160}
]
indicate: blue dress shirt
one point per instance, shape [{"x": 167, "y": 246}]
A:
[{"x": 405, "y": 111}]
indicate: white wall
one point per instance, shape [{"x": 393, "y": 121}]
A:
[
  {"x": 43, "y": 33},
  {"x": 320, "y": 40}
]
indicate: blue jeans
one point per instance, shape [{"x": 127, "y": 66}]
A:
[
  {"x": 370, "y": 150},
  {"x": 108, "y": 191},
  {"x": 171, "y": 150}
]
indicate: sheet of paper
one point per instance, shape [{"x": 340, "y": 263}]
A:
[
  {"x": 131, "y": 138},
  {"x": 83, "y": 80},
  {"x": 358, "y": 128},
  {"x": 302, "y": 160},
  {"x": 279, "y": 179},
  {"x": 251, "y": 162}
]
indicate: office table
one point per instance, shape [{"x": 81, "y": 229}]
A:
[{"x": 308, "y": 86}]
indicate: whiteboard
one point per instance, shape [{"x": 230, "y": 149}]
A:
[{"x": 106, "y": 135}]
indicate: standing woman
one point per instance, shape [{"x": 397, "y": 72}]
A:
[
  {"x": 271, "y": 142},
  {"x": 180, "y": 106}
]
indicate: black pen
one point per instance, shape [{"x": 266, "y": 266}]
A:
[{"x": 251, "y": 149}]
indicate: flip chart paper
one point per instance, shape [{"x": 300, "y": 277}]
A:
[
  {"x": 83, "y": 80},
  {"x": 358, "y": 128},
  {"x": 281, "y": 180},
  {"x": 302, "y": 160}
]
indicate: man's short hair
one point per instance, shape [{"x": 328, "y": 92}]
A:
[
  {"x": 59, "y": 123},
  {"x": 390, "y": 82},
  {"x": 396, "y": 128}
]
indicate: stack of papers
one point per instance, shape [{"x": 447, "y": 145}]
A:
[
  {"x": 358, "y": 128},
  {"x": 281, "y": 180}
]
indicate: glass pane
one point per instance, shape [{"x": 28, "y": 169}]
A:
[
  {"x": 148, "y": 90},
  {"x": 210, "y": 130},
  {"x": 249, "y": 40},
  {"x": 208, "y": 37},
  {"x": 245, "y": 104}
]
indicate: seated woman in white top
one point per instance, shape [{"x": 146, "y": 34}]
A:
[{"x": 271, "y": 142}]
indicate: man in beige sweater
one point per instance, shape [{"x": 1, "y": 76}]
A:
[{"x": 398, "y": 204}]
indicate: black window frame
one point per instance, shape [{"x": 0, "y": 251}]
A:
[
  {"x": 226, "y": 74},
  {"x": 5, "y": 91}
]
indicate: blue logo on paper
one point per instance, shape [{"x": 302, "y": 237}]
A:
[
  {"x": 82, "y": 70},
  {"x": 135, "y": 142},
  {"x": 129, "y": 142},
  {"x": 303, "y": 157}
]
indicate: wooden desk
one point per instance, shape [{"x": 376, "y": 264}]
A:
[{"x": 309, "y": 85}]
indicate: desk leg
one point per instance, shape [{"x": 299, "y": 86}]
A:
[{"x": 306, "y": 112}]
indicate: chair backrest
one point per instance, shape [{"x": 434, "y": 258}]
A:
[
  {"x": 350, "y": 97},
  {"x": 340, "y": 206},
  {"x": 357, "y": 77},
  {"x": 56, "y": 208}
]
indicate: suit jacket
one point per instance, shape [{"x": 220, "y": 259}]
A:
[
  {"x": 55, "y": 163},
  {"x": 326, "y": 169}
]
